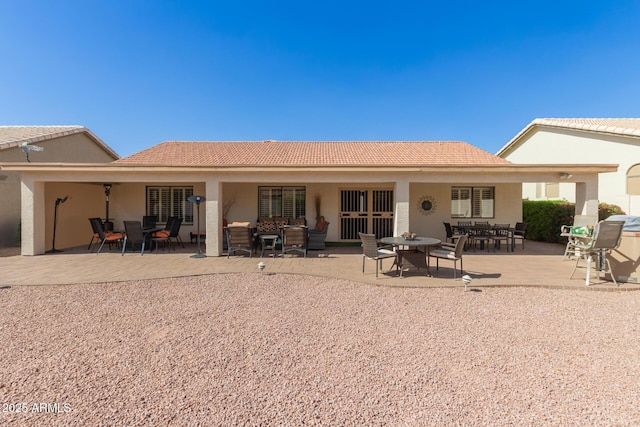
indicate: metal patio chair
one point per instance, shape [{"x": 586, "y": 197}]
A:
[
  {"x": 606, "y": 237},
  {"x": 371, "y": 250}
]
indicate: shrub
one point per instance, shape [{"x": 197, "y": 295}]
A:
[
  {"x": 545, "y": 217},
  {"x": 605, "y": 211}
]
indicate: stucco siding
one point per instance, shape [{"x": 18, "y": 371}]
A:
[
  {"x": 555, "y": 146},
  {"x": 77, "y": 148}
]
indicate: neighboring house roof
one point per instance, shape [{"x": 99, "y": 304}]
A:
[
  {"x": 312, "y": 153},
  {"x": 15, "y": 136},
  {"x": 623, "y": 127}
]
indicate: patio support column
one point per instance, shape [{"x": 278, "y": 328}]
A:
[
  {"x": 213, "y": 217},
  {"x": 401, "y": 213},
  {"x": 32, "y": 223},
  {"x": 587, "y": 196}
]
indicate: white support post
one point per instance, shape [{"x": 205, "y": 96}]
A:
[
  {"x": 401, "y": 213},
  {"x": 33, "y": 217},
  {"x": 587, "y": 196},
  {"x": 213, "y": 217}
]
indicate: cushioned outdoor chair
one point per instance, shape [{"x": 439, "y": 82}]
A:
[
  {"x": 371, "y": 250},
  {"x": 294, "y": 239},
  {"x": 318, "y": 235},
  {"x": 451, "y": 252},
  {"x": 96, "y": 227},
  {"x": 171, "y": 231},
  {"x": 239, "y": 239},
  {"x": 104, "y": 236},
  {"x": 606, "y": 237}
]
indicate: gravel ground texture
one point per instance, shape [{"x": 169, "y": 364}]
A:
[{"x": 252, "y": 349}]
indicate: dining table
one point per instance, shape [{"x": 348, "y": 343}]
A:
[
  {"x": 412, "y": 252},
  {"x": 475, "y": 229}
]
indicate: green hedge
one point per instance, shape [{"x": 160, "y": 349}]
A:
[{"x": 545, "y": 217}]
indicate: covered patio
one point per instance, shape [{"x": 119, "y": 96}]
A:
[
  {"x": 384, "y": 188},
  {"x": 538, "y": 265}
]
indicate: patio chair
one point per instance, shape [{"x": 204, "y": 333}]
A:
[
  {"x": 371, "y": 250},
  {"x": 239, "y": 239},
  {"x": 480, "y": 233},
  {"x": 574, "y": 233},
  {"x": 318, "y": 235},
  {"x": 149, "y": 221},
  {"x": 501, "y": 233},
  {"x": 105, "y": 236},
  {"x": 134, "y": 235},
  {"x": 451, "y": 252},
  {"x": 518, "y": 233},
  {"x": 452, "y": 235},
  {"x": 606, "y": 237},
  {"x": 170, "y": 221},
  {"x": 96, "y": 226},
  {"x": 172, "y": 231},
  {"x": 294, "y": 238}
]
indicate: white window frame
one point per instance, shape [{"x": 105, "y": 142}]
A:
[
  {"x": 473, "y": 202},
  {"x": 166, "y": 201},
  {"x": 279, "y": 201}
]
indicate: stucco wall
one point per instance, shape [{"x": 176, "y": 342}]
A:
[
  {"x": 77, "y": 148},
  {"x": 87, "y": 200},
  {"x": 549, "y": 146},
  {"x": 508, "y": 206}
]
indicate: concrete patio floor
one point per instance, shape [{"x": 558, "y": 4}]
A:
[{"x": 539, "y": 265}]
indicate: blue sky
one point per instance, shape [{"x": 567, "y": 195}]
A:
[{"x": 138, "y": 73}]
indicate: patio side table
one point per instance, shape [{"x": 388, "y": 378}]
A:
[{"x": 269, "y": 242}]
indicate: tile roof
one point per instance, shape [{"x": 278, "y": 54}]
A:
[
  {"x": 29, "y": 134},
  {"x": 14, "y": 136},
  {"x": 313, "y": 153},
  {"x": 629, "y": 126},
  {"x": 621, "y": 126}
]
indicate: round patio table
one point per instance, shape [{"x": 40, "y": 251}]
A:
[{"x": 412, "y": 257}]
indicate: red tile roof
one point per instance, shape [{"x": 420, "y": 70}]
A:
[{"x": 308, "y": 153}]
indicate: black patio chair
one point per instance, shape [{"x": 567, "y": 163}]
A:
[
  {"x": 165, "y": 236},
  {"x": 104, "y": 236},
  {"x": 134, "y": 235}
]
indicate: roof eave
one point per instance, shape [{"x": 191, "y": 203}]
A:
[{"x": 458, "y": 168}]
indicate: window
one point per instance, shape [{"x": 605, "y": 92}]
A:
[
  {"x": 633, "y": 180},
  {"x": 552, "y": 190},
  {"x": 170, "y": 201},
  {"x": 287, "y": 202},
  {"x": 472, "y": 202}
]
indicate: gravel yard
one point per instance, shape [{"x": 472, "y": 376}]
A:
[{"x": 251, "y": 349}]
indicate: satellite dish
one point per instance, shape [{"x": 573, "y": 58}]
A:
[{"x": 27, "y": 148}]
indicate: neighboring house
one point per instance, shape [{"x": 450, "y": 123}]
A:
[
  {"x": 385, "y": 188},
  {"x": 55, "y": 144},
  {"x": 582, "y": 141}
]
